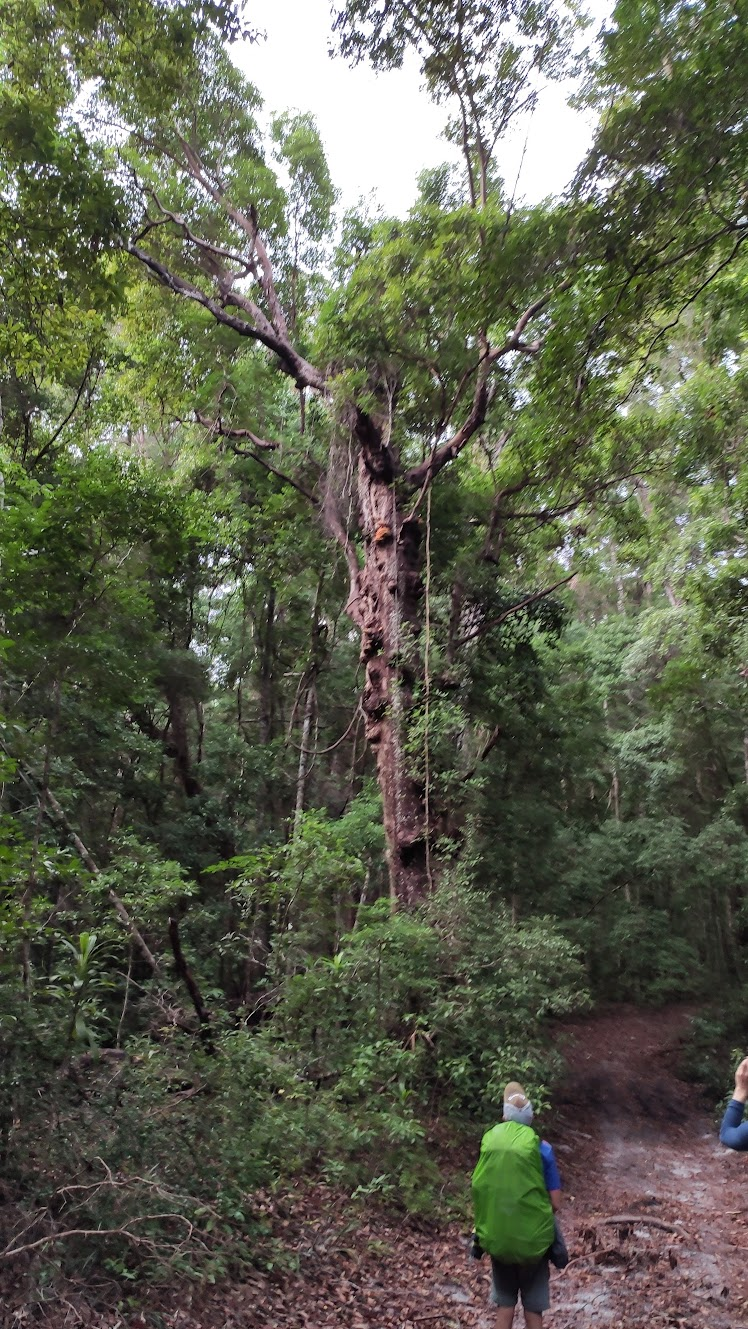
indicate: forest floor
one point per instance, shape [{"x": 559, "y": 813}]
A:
[{"x": 655, "y": 1216}]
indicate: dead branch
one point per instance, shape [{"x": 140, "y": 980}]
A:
[
  {"x": 135, "y": 1182},
  {"x": 281, "y": 475},
  {"x": 177, "y": 1100},
  {"x": 226, "y": 431},
  {"x": 322, "y": 752},
  {"x": 55, "y": 813},
  {"x": 485, "y": 751},
  {"x": 514, "y": 341},
  {"x": 124, "y": 1231},
  {"x": 303, "y": 374},
  {"x": 590, "y": 1255},
  {"x": 215, "y": 251},
  {"x": 251, "y": 229},
  {"x": 514, "y": 609},
  {"x": 641, "y": 1219}
]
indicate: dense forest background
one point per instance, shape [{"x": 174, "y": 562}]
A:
[{"x": 372, "y": 591}]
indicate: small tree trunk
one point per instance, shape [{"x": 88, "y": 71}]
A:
[
  {"x": 316, "y": 660},
  {"x": 184, "y": 972},
  {"x": 266, "y": 674},
  {"x": 305, "y": 753},
  {"x": 180, "y": 743}
]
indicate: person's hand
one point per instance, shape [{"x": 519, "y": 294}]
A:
[
  {"x": 741, "y": 1081},
  {"x": 475, "y": 1250}
]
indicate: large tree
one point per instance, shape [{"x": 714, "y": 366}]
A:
[
  {"x": 413, "y": 354},
  {"x": 475, "y": 326}
]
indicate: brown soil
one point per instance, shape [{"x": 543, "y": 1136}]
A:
[{"x": 633, "y": 1142}]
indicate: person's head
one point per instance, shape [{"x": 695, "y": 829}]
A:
[{"x": 517, "y": 1106}]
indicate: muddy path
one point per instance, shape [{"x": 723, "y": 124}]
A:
[{"x": 637, "y": 1143}]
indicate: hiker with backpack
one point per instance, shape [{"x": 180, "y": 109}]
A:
[{"x": 516, "y": 1193}]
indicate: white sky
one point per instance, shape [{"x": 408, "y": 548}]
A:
[{"x": 380, "y": 130}]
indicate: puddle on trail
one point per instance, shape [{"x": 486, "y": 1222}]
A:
[
  {"x": 594, "y": 1303},
  {"x": 455, "y": 1293}
]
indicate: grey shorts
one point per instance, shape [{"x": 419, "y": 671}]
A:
[{"x": 528, "y": 1281}]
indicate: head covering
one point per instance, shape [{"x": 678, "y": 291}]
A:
[
  {"x": 515, "y": 1094},
  {"x": 517, "y": 1106}
]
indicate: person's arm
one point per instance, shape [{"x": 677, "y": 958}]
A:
[
  {"x": 734, "y": 1131},
  {"x": 551, "y": 1175}
]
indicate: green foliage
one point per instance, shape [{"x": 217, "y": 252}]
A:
[
  {"x": 410, "y": 1013},
  {"x": 482, "y": 59},
  {"x": 181, "y": 728},
  {"x": 712, "y": 1047},
  {"x": 79, "y": 985},
  {"x": 438, "y": 1010}
]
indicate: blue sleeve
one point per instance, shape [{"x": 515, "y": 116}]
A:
[
  {"x": 550, "y": 1167},
  {"x": 734, "y": 1131}
]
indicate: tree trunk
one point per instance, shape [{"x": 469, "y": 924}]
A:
[
  {"x": 180, "y": 743},
  {"x": 389, "y": 611},
  {"x": 305, "y": 753},
  {"x": 265, "y": 672}
]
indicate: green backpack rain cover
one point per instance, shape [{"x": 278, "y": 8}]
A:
[{"x": 513, "y": 1212}]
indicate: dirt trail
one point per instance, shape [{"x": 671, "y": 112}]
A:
[{"x": 632, "y": 1141}]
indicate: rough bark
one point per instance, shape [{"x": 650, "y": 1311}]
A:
[{"x": 390, "y": 592}]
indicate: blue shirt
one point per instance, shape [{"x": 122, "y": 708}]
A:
[
  {"x": 550, "y": 1167},
  {"x": 734, "y": 1131}
]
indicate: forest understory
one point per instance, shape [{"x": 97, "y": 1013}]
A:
[{"x": 654, "y": 1214}]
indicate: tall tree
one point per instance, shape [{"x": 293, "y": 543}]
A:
[{"x": 473, "y": 327}]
